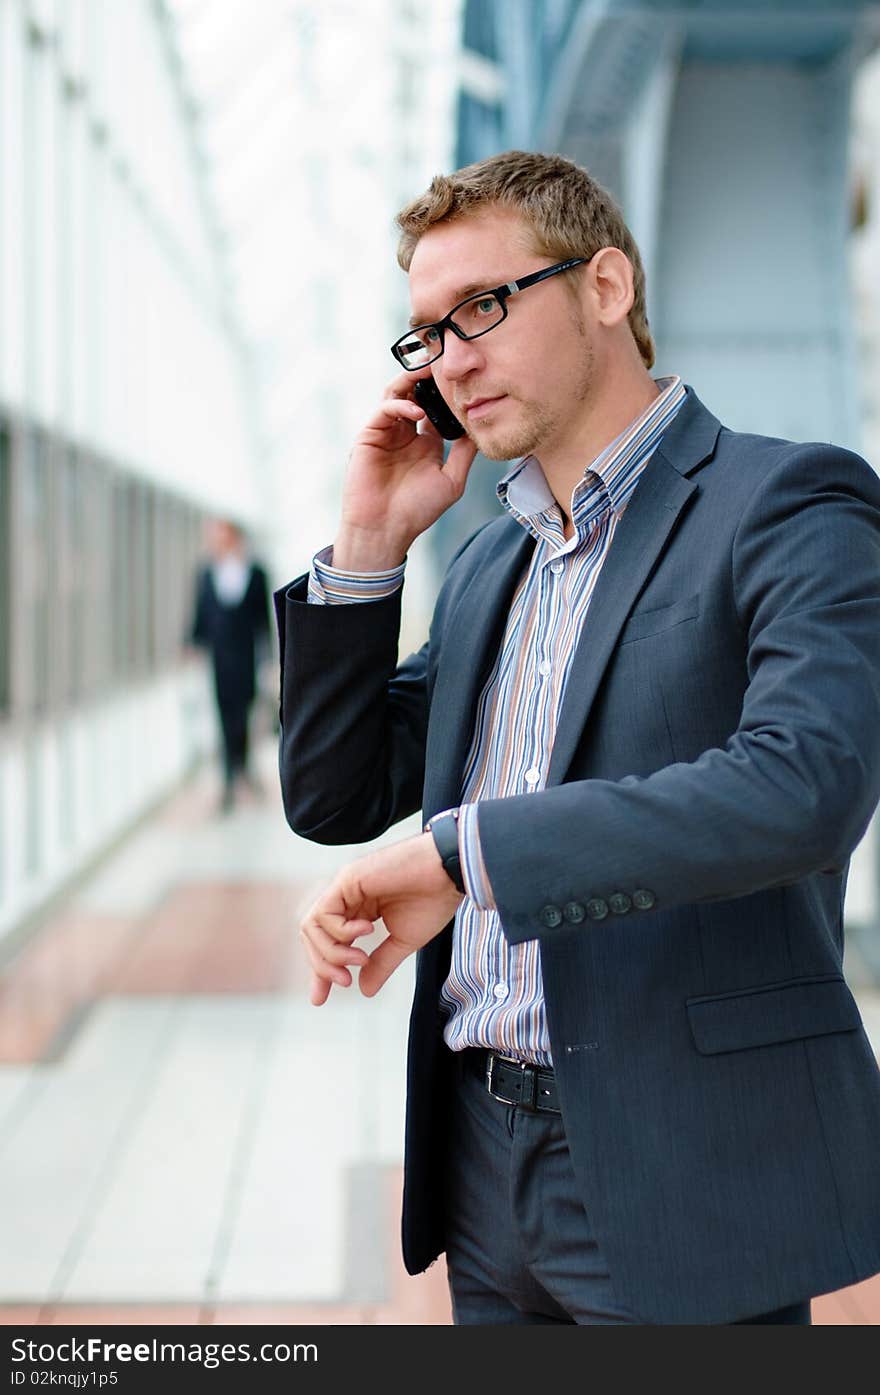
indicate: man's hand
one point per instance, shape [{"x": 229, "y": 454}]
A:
[
  {"x": 403, "y": 885},
  {"x": 397, "y": 483}
]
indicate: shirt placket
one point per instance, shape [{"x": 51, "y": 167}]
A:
[{"x": 536, "y": 743}]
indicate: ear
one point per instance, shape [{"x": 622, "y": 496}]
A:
[{"x": 611, "y": 277}]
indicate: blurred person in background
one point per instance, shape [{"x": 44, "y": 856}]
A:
[
  {"x": 232, "y": 622},
  {"x": 645, "y": 729}
]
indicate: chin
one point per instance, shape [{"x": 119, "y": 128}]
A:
[
  {"x": 513, "y": 439},
  {"x": 503, "y": 445},
  {"x": 498, "y": 447}
]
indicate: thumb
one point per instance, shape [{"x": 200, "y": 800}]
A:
[{"x": 388, "y": 956}]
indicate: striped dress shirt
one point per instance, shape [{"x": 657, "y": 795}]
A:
[{"x": 493, "y": 995}]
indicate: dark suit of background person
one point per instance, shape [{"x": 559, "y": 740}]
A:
[
  {"x": 233, "y": 630},
  {"x": 716, "y": 761}
]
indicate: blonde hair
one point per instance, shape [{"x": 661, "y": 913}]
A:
[{"x": 568, "y": 212}]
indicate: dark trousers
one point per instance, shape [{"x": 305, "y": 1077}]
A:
[
  {"x": 234, "y": 727},
  {"x": 520, "y": 1247}
]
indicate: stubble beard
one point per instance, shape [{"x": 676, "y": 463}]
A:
[
  {"x": 539, "y": 424},
  {"x": 498, "y": 443}
]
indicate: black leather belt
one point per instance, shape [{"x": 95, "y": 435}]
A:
[{"x": 515, "y": 1082}]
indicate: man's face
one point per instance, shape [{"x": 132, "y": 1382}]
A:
[
  {"x": 222, "y": 538},
  {"x": 520, "y": 388}
]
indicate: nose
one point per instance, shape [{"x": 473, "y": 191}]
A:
[{"x": 460, "y": 356}]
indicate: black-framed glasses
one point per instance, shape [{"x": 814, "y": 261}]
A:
[{"x": 469, "y": 319}]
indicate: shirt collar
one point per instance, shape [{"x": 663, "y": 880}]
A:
[{"x": 610, "y": 479}]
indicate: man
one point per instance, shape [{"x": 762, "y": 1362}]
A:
[
  {"x": 231, "y": 621},
  {"x": 638, "y": 1087}
]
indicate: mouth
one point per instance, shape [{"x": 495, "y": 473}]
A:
[{"x": 480, "y": 406}]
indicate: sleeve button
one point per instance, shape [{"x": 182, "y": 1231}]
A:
[
  {"x": 620, "y": 903},
  {"x": 574, "y": 912},
  {"x": 551, "y": 916},
  {"x": 643, "y": 900},
  {"x": 597, "y": 909}
]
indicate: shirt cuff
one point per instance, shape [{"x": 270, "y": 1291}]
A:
[
  {"x": 329, "y": 585},
  {"x": 473, "y": 868}
]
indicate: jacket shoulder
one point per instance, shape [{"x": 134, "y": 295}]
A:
[
  {"x": 762, "y": 454},
  {"x": 746, "y": 467}
]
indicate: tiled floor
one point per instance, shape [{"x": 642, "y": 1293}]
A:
[{"x": 182, "y": 1137}]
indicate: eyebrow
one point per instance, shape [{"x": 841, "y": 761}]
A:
[{"x": 461, "y": 294}]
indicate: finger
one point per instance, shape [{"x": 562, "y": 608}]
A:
[
  {"x": 402, "y": 385},
  {"x": 319, "y": 991},
  {"x": 323, "y": 968},
  {"x": 330, "y": 913},
  {"x": 334, "y": 941},
  {"x": 395, "y": 412},
  {"x": 383, "y": 961}
]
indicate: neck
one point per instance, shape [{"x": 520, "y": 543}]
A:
[{"x": 606, "y": 414}]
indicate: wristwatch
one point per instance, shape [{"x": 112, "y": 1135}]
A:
[{"x": 443, "y": 828}]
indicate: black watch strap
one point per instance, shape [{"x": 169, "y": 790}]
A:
[{"x": 444, "y": 830}]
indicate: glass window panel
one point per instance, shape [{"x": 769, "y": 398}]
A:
[
  {"x": 120, "y": 585},
  {"x": 98, "y": 566},
  {"x": 34, "y": 566},
  {"x": 133, "y": 521},
  {"x": 5, "y": 574},
  {"x": 163, "y": 581},
  {"x": 33, "y": 806},
  {"x": 66, "y": 787},
  {"x": 140, "y": 577},
  {"x": 73, "y": 609},
  {"x": 108, "y": 599},
  {"x": 12, "y": 200}
]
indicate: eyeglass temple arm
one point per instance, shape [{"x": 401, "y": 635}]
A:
[{"x": 534, "y": 277}]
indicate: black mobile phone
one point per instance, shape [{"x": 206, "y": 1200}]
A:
[{"x": 427, "y": 395}]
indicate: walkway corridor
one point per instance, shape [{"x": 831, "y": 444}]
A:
[{"x": 182, "y": 1137}]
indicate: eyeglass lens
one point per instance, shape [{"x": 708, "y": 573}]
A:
[{"x": 472, "y": 318}]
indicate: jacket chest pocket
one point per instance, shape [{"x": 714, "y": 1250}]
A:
[{"x": 654, "y": 622}]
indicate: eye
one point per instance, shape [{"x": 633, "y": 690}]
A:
[
  {"x": 486, "y": 305},
  {"x": 431, "y": 335}
]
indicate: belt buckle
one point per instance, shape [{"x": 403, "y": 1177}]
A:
[{"x": 523, "y": 1066}]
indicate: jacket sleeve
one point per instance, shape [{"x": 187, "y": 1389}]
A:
[
  {"x": 353, "y": 722},
  {"x": 793, "y": 789}
]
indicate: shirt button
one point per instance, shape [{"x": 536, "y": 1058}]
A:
[
  {"x": 551, "y": 916},
  {"x": 620, "y": 903},
  {"x": 597, "y": 909},
  {"x": 500, "y": 990},
  {"x": 643, "y": 900},
  {"x": 532, "y": 776},
  {"x": 557, "y": 567},
  {"x": 545, "y": 668}
]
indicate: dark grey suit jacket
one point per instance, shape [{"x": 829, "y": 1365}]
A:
[{"x": 718, "y": 753}]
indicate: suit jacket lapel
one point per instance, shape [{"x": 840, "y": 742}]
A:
[
  {"x": 475, "y": 628},
  {"x": 638, "y": 541},
  {"x": 641, "y": 535}
]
